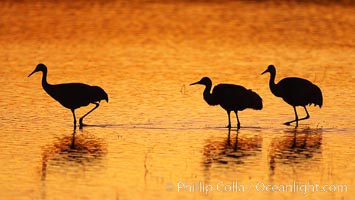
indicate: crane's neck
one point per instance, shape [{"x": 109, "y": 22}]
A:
[
  {"x": 272, "y": 83},
  {"x": 45, "y": 84},
  {"x": 207, "y": 96}
]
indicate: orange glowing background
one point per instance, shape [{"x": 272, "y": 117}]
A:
[{"x": 157, "y": 132}]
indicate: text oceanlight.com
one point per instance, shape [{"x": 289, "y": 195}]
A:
[{"x": 235, "y": 187}]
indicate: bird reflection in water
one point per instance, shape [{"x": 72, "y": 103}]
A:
[
  {"x": 73, "y": 151},
  {"x": 232, "y": 150},
  {"x": 295, "y": 147}
]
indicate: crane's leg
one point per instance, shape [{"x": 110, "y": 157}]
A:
[
  {"x": 238, "y": 123},
  {"x": 306, "y": 117},
  {"x": 296, "y": 118},
  {"x": 81, "y": 119},
  {"x": 229, "y": 119},
  {"x": 73, "y": 111}
]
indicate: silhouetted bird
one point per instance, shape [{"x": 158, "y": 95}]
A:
[
  {"x": 72, "y": 95},
  {"x": 230, "y": 97},
  {"x": 295, "y": 91}
]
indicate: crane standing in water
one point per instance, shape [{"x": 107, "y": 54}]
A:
[
  {"x": 230, "y": 97},
  {"x": 295, "y": 91},
  {"x": 72, "y": 95}
]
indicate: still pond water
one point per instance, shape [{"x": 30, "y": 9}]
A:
[{"x": 157, "y": 138}]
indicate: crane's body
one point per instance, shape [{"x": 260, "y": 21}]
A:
[
  {"x": 298, "y": 92},
  {"x": 75, "y": 95},
  {"x": 235, "y": 97}
]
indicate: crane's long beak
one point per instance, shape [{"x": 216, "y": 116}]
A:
[
  {"x": 267, "y": 70},
  {"x": 32, "y": 73},
  {"x": 198, "y": 82}
]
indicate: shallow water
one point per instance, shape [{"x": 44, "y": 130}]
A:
[{"x": 157, "y": 134}]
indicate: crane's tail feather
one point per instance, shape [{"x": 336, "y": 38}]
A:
[
  {"x": 98, "y": 94},
  {"x": 255, "y": 101},
  {"x": 316, "y": 97}
]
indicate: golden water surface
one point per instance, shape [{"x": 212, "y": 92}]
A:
[{"x": 157, "y": 138}]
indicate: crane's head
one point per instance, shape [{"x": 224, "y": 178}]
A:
[
  {"x": 40, "y": 67},
  {"x": 204, "y": 81},
  {"x": 271, "y": 69}
]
